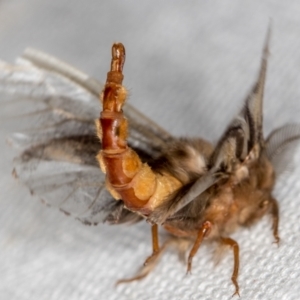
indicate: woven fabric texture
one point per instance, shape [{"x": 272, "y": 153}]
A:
[{"x": 189, "y": 66}]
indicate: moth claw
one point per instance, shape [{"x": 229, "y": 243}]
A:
[{"x": 277, "y": 240}]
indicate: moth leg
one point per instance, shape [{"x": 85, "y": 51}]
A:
[
  {"x": 235, "y": 247},
  {"x": 275, "y": 216},
  {"x": 147, "y": 268},
  {"x": 201, "y": 233},
  {"x": 155, "y": 245}
]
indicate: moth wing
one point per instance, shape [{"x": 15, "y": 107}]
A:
[
  {"x": 58, "y": 144},
  {"x": 55, "y": 87},
  {"x": 75, "y": 189},
  {"x": 244, "y": 136},
  {"x": 144, "y": 133},
  {"x": 241, "y": 141},
  {"x": 281, "y": 145}
]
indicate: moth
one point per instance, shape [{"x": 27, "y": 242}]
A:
[{"x": 121, "y": 167}]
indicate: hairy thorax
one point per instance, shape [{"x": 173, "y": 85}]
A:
[{"x": 237, "y": 202}]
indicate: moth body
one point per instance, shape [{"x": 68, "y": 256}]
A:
[
  {"x": 238, "y": 201},
  {"x": 193, "y": 189}
]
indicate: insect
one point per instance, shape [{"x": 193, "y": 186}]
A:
[{"x": 195, "y": 190}]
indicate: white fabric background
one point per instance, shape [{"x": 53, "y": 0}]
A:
[{"x": 189, "y": 66}]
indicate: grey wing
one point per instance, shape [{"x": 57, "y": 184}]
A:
[
  {"x": 244, "y": 136},
  {"x": 75, "y": 189},
  {"x": 241, "y": 143},
  {"x": 243, "y": 139},
  {"x": 57, "y": 142},
  {"x": 143, "y": 131},
  {"x": 58, "y": 92},
  {"x": 280, "y": 147}
]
